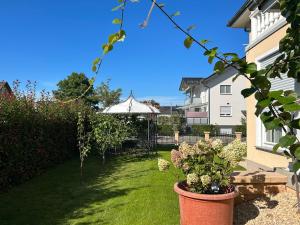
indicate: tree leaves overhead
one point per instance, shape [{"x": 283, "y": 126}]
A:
[
  {"x": 188, "y": 42},
  {"x": 177, "y": 13}
]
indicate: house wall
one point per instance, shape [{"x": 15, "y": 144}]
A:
[
  {"x": 254, "y": 155},
  {"x": 235, "y": 99}
]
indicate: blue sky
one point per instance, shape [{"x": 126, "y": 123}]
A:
[{"x": 45, "y": 41}]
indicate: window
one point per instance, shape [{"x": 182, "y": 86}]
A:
[
  {"x": 224, "y": 130},
  {"x": 225, "y": 89},
  {"x": 197, "y": 109},
  {"x": 273, "y": 136},
  {"x": 225, "y": 111}
]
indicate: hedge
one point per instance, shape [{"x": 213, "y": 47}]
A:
[{"x": 33, "y": 137}]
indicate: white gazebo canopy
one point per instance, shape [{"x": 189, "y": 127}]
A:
[{"x": 131, "y": 106}]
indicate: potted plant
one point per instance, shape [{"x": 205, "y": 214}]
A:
[{"x": 206, "y": 195}]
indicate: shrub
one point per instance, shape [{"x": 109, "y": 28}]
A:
[
  {"x": 200, "y": 129},
  {"x": 207, "y": 165},
  {"x": 34, "y": 135}
]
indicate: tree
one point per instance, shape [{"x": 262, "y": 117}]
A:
[
  {"x": 76, "y": 86},
  {"x": 108, "y": 132},
  {"x": 152, "y": 103},
  {"x": 107, "y": 97}
]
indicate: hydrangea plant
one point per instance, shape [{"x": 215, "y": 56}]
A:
[{"x": 207, "y": 165}]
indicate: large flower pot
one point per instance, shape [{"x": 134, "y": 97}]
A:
[{"x": 205, "y": 209}]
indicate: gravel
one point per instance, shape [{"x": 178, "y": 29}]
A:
[{"x": 273, "y": 210}]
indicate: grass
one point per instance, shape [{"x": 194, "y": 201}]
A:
[{"x": 126, "y": 190}]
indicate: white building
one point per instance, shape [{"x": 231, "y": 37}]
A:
[{"x": 215, "y": 100}]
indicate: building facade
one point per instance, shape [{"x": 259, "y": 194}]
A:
[
  {"x": 266, "y": 27},
  {"x": 215, "y": 100}
]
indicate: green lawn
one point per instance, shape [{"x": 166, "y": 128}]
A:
[{"x": 126, "y": 190}]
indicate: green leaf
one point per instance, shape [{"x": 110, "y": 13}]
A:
[
  {"x": 287, "y": 140},
  {"x": 188, "y": 42},
  {"x": 265, "y": 116},
  {"x": 94, "y": 68},
  {"x": 295, "y": 123},
  {"x": 219, "y": 67},
  {"x": 275, "y": 94},
  {"x": 272, "y": 124},
  {"x": 276, "y": 147},
  {"x": 191, "y": 27},
  {"x": 204, "y": 41},
  {"x": 291, "y": 107},
  {"x": 117, "y": 7},
  {"x": 177, "y": 13},
  {"x": 296, "y": 166},
  {"x": 96, "y": 61},
  {"x": 107, "y": 48},
  {"x": 297, "y": 153},
  {"x": 264, "y": 102},
  {"x": 117, "y": 21},
  {"x": 248, "y": 92},
  {"x": 250, "y": 68}
]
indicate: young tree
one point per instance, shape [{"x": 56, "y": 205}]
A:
[
  {"x": 107, "y": 97},
  {"x": 76, "y": 85}
]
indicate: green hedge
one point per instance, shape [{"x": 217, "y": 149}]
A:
[
  {"x": 165, "y": 130},
  {"x": 200, "y": 129},
  {"x": 34, "y": 136}
]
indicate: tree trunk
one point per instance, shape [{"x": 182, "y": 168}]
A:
[{"x": 103, "y": 157}]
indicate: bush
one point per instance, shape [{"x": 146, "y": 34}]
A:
[
  {"x": 200, "y": 129},
  {"x": 34, "y": 135},
  {"x": 166, "y": 130}
]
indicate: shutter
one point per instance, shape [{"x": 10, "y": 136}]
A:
[{"x": 285, "y": 83}]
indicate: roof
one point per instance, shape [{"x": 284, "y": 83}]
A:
[
  {"x": 131, "y": 106},
  {"x": 188, "y": 81},
  {"x": 241, "y": 18},
  {"x": 4, "y": 84},
  {"x": 242, "y": 11}
]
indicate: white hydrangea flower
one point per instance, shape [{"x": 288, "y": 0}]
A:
[
  {"x": 163, "y": 164},
  {"x": 206, "y": 180},
  {"x": 192, "y": 178},
  {"x": 186, "y": 150}
]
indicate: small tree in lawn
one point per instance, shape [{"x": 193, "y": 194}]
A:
[
  {"x": 108, "y": 132},
  {"x": 83, "y": 140}
]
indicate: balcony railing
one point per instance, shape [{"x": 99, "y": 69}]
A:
[
  {"x": 261, "y": 22},
  {"x": 190, "y": 114}
]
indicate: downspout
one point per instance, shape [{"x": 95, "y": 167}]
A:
[{"x": 208, "y": 103}]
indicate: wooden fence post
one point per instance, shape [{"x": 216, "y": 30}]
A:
[
  {"x": 206, "y": 135},
  {"x": 238, "y": 135},
  {"x": 176, "y": 137}
]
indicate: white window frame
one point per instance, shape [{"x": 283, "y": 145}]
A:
[
  {"x": 225, "y": 93},
  {"x": 261, "y": 133},
  {"x": 226, "y": 115}
]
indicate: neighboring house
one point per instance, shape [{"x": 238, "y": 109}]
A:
[
  {"x": 266, "y": 27},
  {"x": 215, "y": 100},
  {"x": 169, "y": 110},
  {"x": 5, "y": 89}
]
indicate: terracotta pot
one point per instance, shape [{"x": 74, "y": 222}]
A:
[{"x": 205, "y": 209}]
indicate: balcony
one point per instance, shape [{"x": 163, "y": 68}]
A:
[
  {"x": 190, "y": 114},
  {"x": 194, "y": 101},
  {"x": 264, "y": 22}
]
